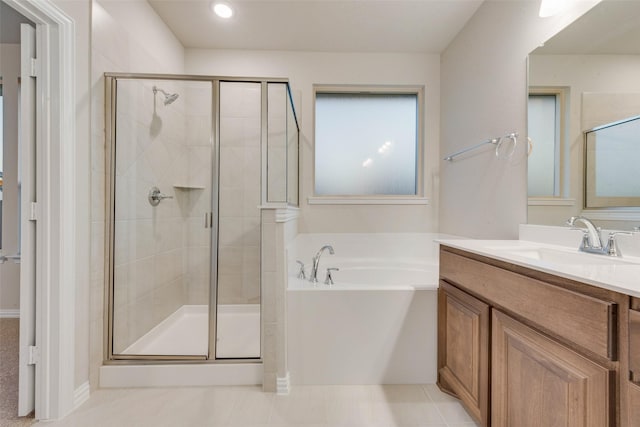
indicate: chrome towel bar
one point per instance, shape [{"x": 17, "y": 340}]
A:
[{"x": 513, "y": 137}]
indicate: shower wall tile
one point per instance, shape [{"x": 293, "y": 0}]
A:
[
  {"x": 230, "y": 260},
  {"x": 231, "y": 171},
  {"x": 241, "y": 99},
  {"x": 168, "y": 267},
  {"x": 169, "y": 234},
  {"x": 198, "y": 235},
  {"x": 251, "y": 203},
  {"x": 230, "y": 289},
  {"x": 198, "y": 262},
  {"x": 230, "y": 232},
  {"x": 197, "y": 293},
  {"x": 142, "y": 276},
  {"x": 167, "y": 299},
  {"x": 200, "y": 170},
  {"x": 233, "y": 130},
  {"x": 233, "y": 206}
]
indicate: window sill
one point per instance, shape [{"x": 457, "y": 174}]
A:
[
  {"x": 383, "y": 200},
  {"x": 551, "y": 201},
  {"x": 620, "y": 214}
]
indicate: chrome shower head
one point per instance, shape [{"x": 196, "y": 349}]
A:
[{"x": 168, "y": 97}]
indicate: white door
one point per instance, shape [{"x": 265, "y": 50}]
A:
[{"x": 27, "y": 196}]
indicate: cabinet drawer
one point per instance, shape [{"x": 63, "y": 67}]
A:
[{"x": 574, "y": 317}]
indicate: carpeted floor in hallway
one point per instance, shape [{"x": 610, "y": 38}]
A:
[{"x": 9, "y": 346}]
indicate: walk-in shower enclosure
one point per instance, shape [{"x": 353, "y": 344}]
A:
[{"x": 191, "y": 162}]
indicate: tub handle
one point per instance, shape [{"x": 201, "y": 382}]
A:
[
  {"x": 301, "y": 274},
  {"x": 329, "y": 279}
]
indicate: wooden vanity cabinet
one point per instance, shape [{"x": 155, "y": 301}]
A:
[
  {"x": 524, "y": 348},
  {"x": 463, "y": 349}
]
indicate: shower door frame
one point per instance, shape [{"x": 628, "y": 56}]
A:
[{"x": 110, "y": 138}]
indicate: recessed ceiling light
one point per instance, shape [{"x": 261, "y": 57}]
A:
[{"x": 223, "y": 10}]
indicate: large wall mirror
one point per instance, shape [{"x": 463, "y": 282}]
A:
[{"x": 586, "y": 81}]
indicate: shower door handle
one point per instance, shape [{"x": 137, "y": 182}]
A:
[{"x": 208, "y": 219}]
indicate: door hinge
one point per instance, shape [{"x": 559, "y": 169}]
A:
[
  {"x": 34, "y": 67},
  {"x": 34, "y": 214},
  {"x": 34, "y": 355}
]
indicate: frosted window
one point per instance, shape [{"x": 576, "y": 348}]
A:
[
  {"x": 613, "y": 176},
  {"x": 366, "y": 144},
  {"x": 543, "y": 168}
]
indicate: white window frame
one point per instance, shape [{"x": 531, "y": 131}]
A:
[
  {"x": 560, "y": 198},
  {"x": 418, "y": 198}
]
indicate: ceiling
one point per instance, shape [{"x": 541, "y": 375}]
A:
[
  {"x": 611, "y": 27},
  {"x": 425, "y": 26}
]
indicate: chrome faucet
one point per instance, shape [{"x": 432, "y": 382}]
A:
[
  {"x": 591, "y": 239},
  {"x": 313, "y": 277}
]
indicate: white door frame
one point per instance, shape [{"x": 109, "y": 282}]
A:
[{"x": 56, "y": 216}]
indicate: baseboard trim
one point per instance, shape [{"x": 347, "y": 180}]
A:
[
  {"x": 283, "y": 385},
  {"x": 81, "y": 394},
  {"x": 10, "y": 313}
]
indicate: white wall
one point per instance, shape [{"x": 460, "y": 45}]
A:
[
  {"x": 119, "y": 43},
  {"x": 484, "y": 95},
  {"x": 307, "y": 68},
  {"x": 9, "y": 271}
]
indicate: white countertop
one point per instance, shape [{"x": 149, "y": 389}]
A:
[{"x": 617, "y": 274}]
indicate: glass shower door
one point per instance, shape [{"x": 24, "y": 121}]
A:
[
  {"x": 239, "y": 232},
  {"x": 162, "y": 223}
]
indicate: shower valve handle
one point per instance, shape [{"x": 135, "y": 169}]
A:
[{"x": 156, "y": 196}]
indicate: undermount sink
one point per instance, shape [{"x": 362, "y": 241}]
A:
[{"x": 565, "y": 257}]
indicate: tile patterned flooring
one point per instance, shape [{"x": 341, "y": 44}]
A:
[{"x": 308, "y": 406}]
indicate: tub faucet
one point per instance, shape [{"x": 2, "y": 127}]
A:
[{"x": 313, "y": 277}]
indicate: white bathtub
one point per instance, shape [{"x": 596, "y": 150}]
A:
[
  {"x": 377, "y": 323},
  {"x": 378, "y": 274}
]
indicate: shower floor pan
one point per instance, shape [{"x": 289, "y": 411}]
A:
[{"x": 186, "y": 333}]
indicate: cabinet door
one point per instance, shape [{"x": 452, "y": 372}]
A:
[
  {"x": 463, "y": 349},
  {"x": 539, "y": 382}
]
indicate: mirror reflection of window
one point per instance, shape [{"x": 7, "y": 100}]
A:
[
  {"x": 545, "y": 126},
  {"x": 612, "y": 174}
]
